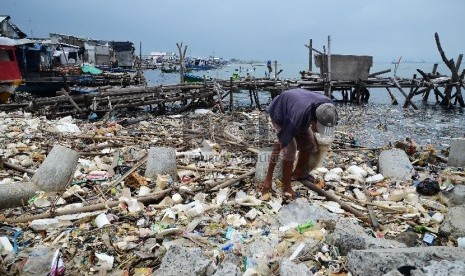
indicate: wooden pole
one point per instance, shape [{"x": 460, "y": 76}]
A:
[
  {"x": 231, "y": 97},
  {"x": 372, "y": 75},
  {"x": 275, "y": 70},
  {"x": 411, "y": 94},
  {"x": 182, "y": 55},
  {"x": 328, "y": 91},
  {"x": 393, "y": 99},
  {"x": 394, "y": 81},
  {"x": 73, "y": 103},
  {"x": 140, "y": 55},
  {"x": 310, "y": 55}
]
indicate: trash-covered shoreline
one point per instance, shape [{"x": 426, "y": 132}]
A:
[{"x": 111, "y": 219}]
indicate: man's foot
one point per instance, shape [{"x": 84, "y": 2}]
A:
[
  {"x": 289, "y": 194},
  {"x": 265, "y": 188}
]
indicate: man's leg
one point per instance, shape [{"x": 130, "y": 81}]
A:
[
  {"x": 288, "y": 157},
  {"x": 306, "y": 144},
  {"x": 266, "y": 184},
  {"x": 287, "y": 174},
  {"x": 302, "y": 161}
]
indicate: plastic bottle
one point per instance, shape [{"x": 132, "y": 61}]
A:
[{"x": 305, "y": 226}]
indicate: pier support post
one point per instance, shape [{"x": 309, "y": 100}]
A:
[{"x": 231, "y": 97}]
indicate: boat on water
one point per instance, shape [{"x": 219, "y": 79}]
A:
[
  {"x": 193, "y": 78},
  {"x": 10, "y": 75},
  {"x": 203, "y": 64},
  {"x": 169, "y": 69}
]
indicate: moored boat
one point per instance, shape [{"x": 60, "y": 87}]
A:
[{"x": 193, "y": 78}]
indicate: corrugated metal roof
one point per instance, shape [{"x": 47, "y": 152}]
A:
[{"x": 4, "y": 17}]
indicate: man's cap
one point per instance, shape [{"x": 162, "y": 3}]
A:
[{"x": 326, "y": 114}]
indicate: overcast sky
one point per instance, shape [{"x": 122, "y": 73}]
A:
[{"x": 256, "y": 29}]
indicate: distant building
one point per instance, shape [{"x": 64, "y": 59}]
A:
[
  {"x": 123, "y": 53},
  {"x": 9, "y": 29},
  {"x": 60, "y": 49}
]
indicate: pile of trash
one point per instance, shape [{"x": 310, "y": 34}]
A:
[{"x": 176, "y": 195}]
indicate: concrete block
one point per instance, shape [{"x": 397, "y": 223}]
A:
[
  {"x": 301, "y": 211},
  {"x": 288, "y": 267},
  {"x": 348, "y": 236},
  {"x": 57, "y": 169},
  {"x": 456, "y": 196},
  {"x": 457, "y": 153},
  {"x": 180, "y": 261},
  {"x": 454, "y": 222},
  {"x": 227, "y": 268},
  {"x": 376, "y": 262},
  {"x": 161, "y": 160},
  {"x": 261, "y": 167},
  {"x": 394, "y": 163},
  {"x": 54, "y": 174},
  {"x": 445, "y": 267}
]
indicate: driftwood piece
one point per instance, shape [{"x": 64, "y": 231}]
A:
[
  {"x": 331, "y": 197},
  {"x": 225, "y": 170},
  {"x": 229, "y": 182},
  {"x": 455, "y": 79},
  {"x": 71, "y": 100},
  {"x": 238, "y": 140},
  {"x": 218, "y": 90},
  {"x": 371, "y": 213},
  {"x": 130, "y": 171},
  {"x": 89, "y": 208},
  {"x": 17, "y": 168}
]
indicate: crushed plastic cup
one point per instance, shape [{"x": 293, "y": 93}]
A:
[
  {"x": 461, "y": 242},
  {"x": 5, "y": 245},
  {"x": 144, "y": 190},
  {"x": 101, "y": 220}
]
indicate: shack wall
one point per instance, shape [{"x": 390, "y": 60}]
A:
[
  {"x": 125, "y": 58},
  {"x": 345, "y": 67}
]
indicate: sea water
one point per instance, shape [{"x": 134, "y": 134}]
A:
[
  {"x": 290, "y": 71},
  {"x": 378, "y": 121}
]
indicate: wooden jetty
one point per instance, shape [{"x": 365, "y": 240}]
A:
[{"x": 180, "y": 97}]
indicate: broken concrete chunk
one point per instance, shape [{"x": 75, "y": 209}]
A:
[
  {"x": 394, "y": 163},
  {"x": 454, "y": 222},
  {"x": 457, "y": 153},
  {"x": 227, "y": 268},
  {"x": 161, "y": 161},
  {"x": 377, "y": 262},
  {"x": 181, "y": 261},
  {"x": 288, "y": 267},
  {"x": 349, "y": 236}
]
